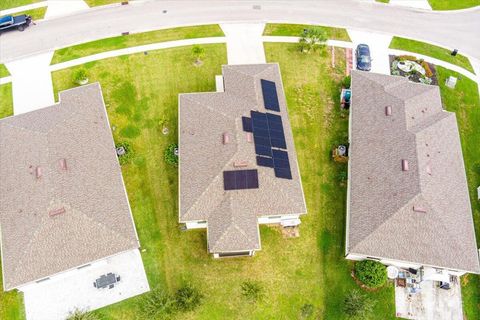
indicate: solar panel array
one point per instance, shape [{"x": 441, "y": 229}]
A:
[
  {"x": 270, "y": 97},
  {"x": 240, "y": 179},
  {"x": 269, "y": 139}
]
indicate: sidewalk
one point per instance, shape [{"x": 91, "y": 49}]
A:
[
  {"x": 31, "y": 83},
  {"x": 244, "y": 43}
]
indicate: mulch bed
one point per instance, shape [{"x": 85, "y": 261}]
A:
[{"x": 416, "y": 78}]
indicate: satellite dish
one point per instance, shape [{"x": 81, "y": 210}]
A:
[{"x": 392, "y": 272}]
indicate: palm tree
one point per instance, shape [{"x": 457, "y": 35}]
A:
[{"x": 312, "y": 39}]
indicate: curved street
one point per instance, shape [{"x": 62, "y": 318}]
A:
[{"x": 449, "y": 29}]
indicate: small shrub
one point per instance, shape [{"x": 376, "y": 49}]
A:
[
  {"x": 170, "y": 156},
  {"x": 188, "y": 298},
  {"x": 312, "y": 39},
  {"x": 198, "y": 53},
  {"x": 428, "y": 71},
  {"x": 357, "y": 306},
  {"x": 346, "y": 82},
  {"x": 372, "y": 273},
  {"x": 252, "y": 290},
  {"x": 307, "y": 311},
  {"x": 342, "y": 176},
  {"x": 158, "y": 304},
  {"x": 407, "y": 57},
  {"x": 81, "y": 315},
  {"x": 129, "y": 154},
  {"x": 79, "y": 76}
]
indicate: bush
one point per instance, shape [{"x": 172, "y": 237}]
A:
[
  {"x": 346, "y": 82},
  {"x": 307, "y": 311},
  {"x": 312, "y": 39},
  {"x": 428, "y": 71},
  {"x": 407, "y": 57},
  {"x": 198, "y": 53},
  {"x": 357, "y": 306},
  {"x": 124, "y": 159},
  {"x": 79, "y": 76},
  {"x": 187, "y": 298},
  {"x": 170, "y": 156},
  {"x": 252, "y": 290},
  {"x": 372, "y": 273},
  {"x": 158, "y": 304},
  {"x": 81, "y": 315}
]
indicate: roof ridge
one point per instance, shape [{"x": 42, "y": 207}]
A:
[{"x": 209, "y": 107}]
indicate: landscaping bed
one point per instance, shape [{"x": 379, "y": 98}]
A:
[{"x": 416, "y": 70}]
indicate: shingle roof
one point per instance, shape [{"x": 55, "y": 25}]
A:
[
  {"x": 93, "y": 218},
  {"x": 203, "y": 118},
  {"x": 382, "y": 197}
]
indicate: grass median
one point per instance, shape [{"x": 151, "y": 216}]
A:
[
  {"x": 136, "y": 39},
  {"x": 295, "y": 30},
  {"x": 431, "y": 51}
]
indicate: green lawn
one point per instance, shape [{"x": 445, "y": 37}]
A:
[
  {"x": 89, "y": 48},
  {"x": 3, "y": 71},
  {"x": 383, "y": 1},
  {"x": 464, "y": 101},
  {"x": 140, "y": 93},
  {"x": 36, "y": 14},
  {"x": 453, "y": 4},
  {"x": 282, "y": 29},
  {"x": 11, "y": 303},
  {"x": 8, "y": 4},
  {"x": 94, "y": 3},
  {"x": 431, "y": 51}
]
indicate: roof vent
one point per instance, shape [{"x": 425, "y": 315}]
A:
[
  {"x": 63, "y": 164},
  {"x": 239, "y": 164},
  {"x": 56, "y": 212},
  {"x": 249, "y": 137},
  {"x": 226, "y": 138},
  {"x": 405, "y": 165},
  {"x": 38, "y": 172},
  {"x": 419, "y": 209},
  {"x": 429, "y": 169},
  {"x": 388, "y": 110}
]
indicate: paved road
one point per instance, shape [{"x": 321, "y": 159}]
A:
[{"x": 453, "y": 30}]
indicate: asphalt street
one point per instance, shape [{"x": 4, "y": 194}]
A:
[{"x": 459, "y": 29}]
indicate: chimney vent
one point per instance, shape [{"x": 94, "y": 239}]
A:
[
  {"x": 249, "y": 137},
  {"x": 56, "y": 212},
  {"x": 405, "y": 166},
  {"x": 63, "y": 164},
  {"x": 238, "y": 164},
  {"x": 388, "y": 110},
  {"x": 419, "y": 209},
  {"x": 226, "y": 138},
  {"x": 38, "y": 172}
]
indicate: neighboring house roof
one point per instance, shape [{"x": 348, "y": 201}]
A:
[
  {"x": 203, "y": 119},
  {"x": 62, "y": 199},
  {"x": 422, "y": 215}
]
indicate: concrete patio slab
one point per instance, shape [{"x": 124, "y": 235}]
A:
[
  {"x": 244, "y": 42},
  {"x": 31, "y": 83},
  {"x": 378, "y": 44},
  {"x": 55, "y": 298}
]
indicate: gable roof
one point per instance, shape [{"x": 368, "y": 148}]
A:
[
  {"x": 203, "y": 118},
  {"x": 73, "y": 209},
  {"x": 422, "y": 215}
]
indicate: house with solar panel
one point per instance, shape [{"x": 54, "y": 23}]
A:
[
  {"x": 408, "y": 203},
  {"x": 237, "y": 161}
]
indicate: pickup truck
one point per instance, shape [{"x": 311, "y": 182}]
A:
[{"x": 19, "y": 22}]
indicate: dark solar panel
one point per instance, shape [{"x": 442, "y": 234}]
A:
[
  {"x": 283, "y": 173},
  {"x": 265, "y": 162},
  {"x": 247, "y": 124},
  {"x": 240, "y": 179},
  {"x": 263, "y": 150},
  {"x": 281, "y": 163},
  {"x": 280, "y": 154},
  {"x": 264, "y": 141},
  {"x": 270, "y": 97},
  {"x": 279, "y": 143}
]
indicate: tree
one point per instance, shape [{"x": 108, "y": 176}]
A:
[
  {"x": 80, "y": 77},
  {"x": 252, "y": 290},
  {"x": 357, "y": 305},
  {"x": 188, "y": 298},
  {"x": 198, "y": 53},
  {"x": 312, "y": 39},
  {"x": 372, "y": 273}
]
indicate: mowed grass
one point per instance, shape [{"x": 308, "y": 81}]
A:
[
  {"x": 141, "y": 94},
  {"x": 94, "y": 3},
  {"x": 453, "y": 4},
  {"x": 11, "y": 303},
  {"x": 3, "y": 71},
  {"x": 136, "y": 39},
  {"x": 464, "y": 101},
  {"x": 431, "y": 51},
  {"x": 36, "y": 14},
  {"x": 295, "y": 30},
  {"x": 8, "y": 4}
]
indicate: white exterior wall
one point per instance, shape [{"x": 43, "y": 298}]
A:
[
  {"x": 196, "y": 224},
  {"x": 277, "y": 219}
]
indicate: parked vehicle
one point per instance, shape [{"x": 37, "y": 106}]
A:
[
  {"x": 19, "y": 22},
  {"x": 364, "y": 61}
]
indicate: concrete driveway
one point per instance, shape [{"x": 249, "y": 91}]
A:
[
  {"x": 378, "y": 44},
  {"x": 450, "y": 29},
  {"x": 55, "y": 298}
]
